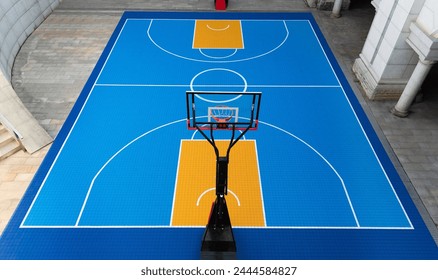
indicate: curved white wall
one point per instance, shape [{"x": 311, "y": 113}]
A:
[{"x": 18, "y": 19}]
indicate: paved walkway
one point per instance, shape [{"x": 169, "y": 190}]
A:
[{"x": 56, "y": 60}]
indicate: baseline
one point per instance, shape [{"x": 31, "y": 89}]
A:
[{"x": 227, "y": 61}]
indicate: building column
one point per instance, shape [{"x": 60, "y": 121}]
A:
[
  {"x": 401, "y": 109},
  {"x": 386, "y": 61},
  {"x": 423, "y": 39},
  {"x": 337, "y": 6}
]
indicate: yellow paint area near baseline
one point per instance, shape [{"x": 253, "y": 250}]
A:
[
  {"x": 195, "y": 187},
  {"x": 218, "y": 34}
]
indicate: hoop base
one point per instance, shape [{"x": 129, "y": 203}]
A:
[{"x": 218, "y": 241}]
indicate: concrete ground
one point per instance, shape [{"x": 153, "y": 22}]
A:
[{"x": 56, "y": 60}]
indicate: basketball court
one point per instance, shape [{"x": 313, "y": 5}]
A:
[{"x": 127, "y": 179}]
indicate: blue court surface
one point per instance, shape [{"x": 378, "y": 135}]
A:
[{"x": 109, "y": 186}]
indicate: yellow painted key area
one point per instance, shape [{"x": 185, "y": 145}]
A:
[
  {"x": 195, "y": 186},
  {"x": 218, "y": 34}
]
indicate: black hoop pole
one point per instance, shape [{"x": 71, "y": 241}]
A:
[{"x": 218, "y": 240}]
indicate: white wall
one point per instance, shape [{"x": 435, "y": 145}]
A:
[
  {"x": 18, "y": 19},
  {"x": 387, "y": 61},
  {"x": 428, "y": 18}
]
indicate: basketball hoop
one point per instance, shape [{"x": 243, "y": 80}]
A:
[
  {"x": 218, "y": 240},
  {"x": 222, "y": 115},
  {"x": 223, "y": 110}
]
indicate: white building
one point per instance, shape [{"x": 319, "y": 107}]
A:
[{"x": 401, "y": 47}]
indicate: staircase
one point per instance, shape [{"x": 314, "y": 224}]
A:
[{"x": 8, "y": 144}]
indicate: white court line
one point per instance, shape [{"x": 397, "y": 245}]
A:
[
  {"x": 177, "y": 176},
  {"x": 176, "y": 183},
  {"x": 192, "y": 82},
  {"x": 227, "y": 61},
  {"x": 193, "y": 32},
  {"x": 316, "y": 152},
  {"x": 212, "y": 189},
  {"x": 325, "y": 160},
  {"x": 73, "y": 126},
  {"x": 225, "y": 56},
  {"x": 59, "y": 152},
  {"x": 243, "y": 227},
  {"x": 218, "y": 29},
  {"x": 111, "y": 158},
  {"x": 362, "y": 128},
  {"x": 260, "y": 180},
  {"x": 218, "y": 57},
  {"x": 219, "y": 86},
  {"x": 182, "y": 120}
]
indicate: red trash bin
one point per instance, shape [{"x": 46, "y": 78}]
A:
[{"x": 221, "y": 4}]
